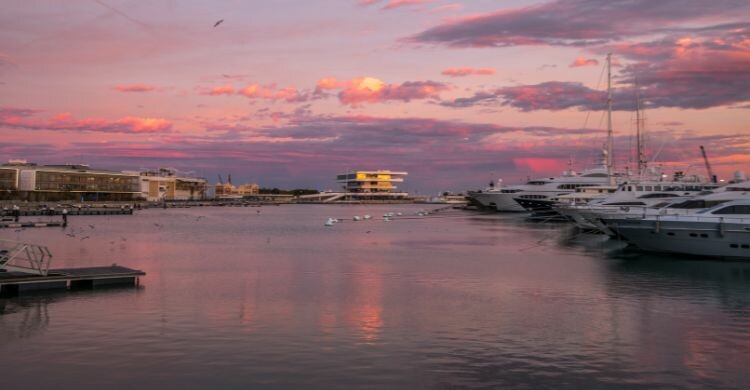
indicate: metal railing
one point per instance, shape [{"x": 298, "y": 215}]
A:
[{"x": 16, "y": 256}]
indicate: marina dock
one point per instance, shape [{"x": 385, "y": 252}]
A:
[
  {"x": 27, "y": 212},
  {"x": 12, "y": 283},
  {"x": 24, "y": 225},
  {"x": 26, "y": 267}
]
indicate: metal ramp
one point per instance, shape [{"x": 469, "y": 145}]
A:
[{"x": 23, "y": 257}]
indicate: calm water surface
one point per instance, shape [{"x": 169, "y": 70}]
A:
[{"x": 269, "y": 297}]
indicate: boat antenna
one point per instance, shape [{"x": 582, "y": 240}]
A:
[{"x": 610, "y": 157}]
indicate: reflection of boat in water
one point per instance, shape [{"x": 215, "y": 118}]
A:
[
  {"x": 722, "y": 230},
  {"x": 24, "y": 318}
]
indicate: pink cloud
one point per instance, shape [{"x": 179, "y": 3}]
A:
[
  {"x": 578, "y": 22},
  {"x": 393, "y": 4},
  {"x": 581, "y": 61},
  {"x": 405, "y": 3},
  {"x": 449, "y": 7},
  {"x": 669, "y": 72},
  {"x": 467, "y": 71},
  {"x": 135, "y": 88},
  {"x": 6, "y": 60},
  {"x": 540, "y": 165},
  {"x": 439, "y": 154},
  {"x": 21, "y": 119}
]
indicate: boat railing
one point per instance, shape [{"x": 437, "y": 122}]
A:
[{"x": 703, "y": 218}]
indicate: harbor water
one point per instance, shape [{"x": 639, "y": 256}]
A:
[{"x": 269, "y": 297}]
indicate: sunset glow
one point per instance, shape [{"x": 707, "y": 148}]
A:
[{"x": 274, "y": 94}]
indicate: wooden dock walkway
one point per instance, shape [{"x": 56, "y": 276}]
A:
[{"x": 12, "y": 283}]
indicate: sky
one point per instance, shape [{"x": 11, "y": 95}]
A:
[{"x": 289, "y": 93}]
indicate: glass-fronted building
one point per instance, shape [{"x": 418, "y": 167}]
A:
[
  {"x": 8, "y": 183},
  {"x": 371, "y": 181}
]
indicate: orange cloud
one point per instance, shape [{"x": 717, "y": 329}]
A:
[
  {"x": 144, "y": 125},
  {"x": 220, "y": 90},
  {"x": 580, "y": 61},
  {"x": 329, "y": 83},
  {"x": 467, "y": 71},
  {"x": 256, "y": 91},
  {"x": 135, "y": 88},
  {"x": 372, "y": 90},
  {"x": 288, "y": 94}
]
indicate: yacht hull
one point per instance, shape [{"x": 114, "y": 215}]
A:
[
  {"x": 712, "y": 239},
  {"x": 498, "y": 201}
]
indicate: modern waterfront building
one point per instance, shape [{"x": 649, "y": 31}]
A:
[
  {"x": 363, "y": 186},
  {"x": 166, "y": 184},
  {"x": 371, "y": 181},
  {"x": 38, "y": 183}
]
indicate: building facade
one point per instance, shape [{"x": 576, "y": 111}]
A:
[
  {"x": 40, "y": 183},
  {"x": 371, "y": 181},
  {"x": 8, "y": 183},
  {"x": 229, "y": 191},
  {"x": 166, "y": 184}
]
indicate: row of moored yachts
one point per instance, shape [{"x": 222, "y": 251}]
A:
[{"x": 684, "y": 214}]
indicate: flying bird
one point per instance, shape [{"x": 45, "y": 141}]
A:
[{"x": 219, "y": 22}]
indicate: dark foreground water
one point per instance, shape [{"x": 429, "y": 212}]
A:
[{"x": 270, "y": 298}]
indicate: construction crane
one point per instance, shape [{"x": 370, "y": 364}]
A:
[
  {"x": 221, "y": 181},
  {"x": 711, "y": 175}
]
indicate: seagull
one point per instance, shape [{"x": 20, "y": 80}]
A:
[{"x": 218, "y": 23}]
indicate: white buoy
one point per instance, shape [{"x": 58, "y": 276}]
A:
[
  {"x": 368, "y": 216},
  {"x": 356, "y": 218},
  {"x": 399, "y": 214},
  {"x": 330, "y": 221}
]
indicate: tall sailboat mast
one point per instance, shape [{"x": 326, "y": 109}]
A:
[
  {"x": 639, "y": 131},
  {"x": 610, "y": 157}
]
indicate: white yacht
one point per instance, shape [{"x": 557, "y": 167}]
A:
[
  {"x": 541, "y": 194},
  {"x": 496, "y": 197},
  {"x": 633, "y": 197},
  {"x": 722, "y": 230},
  {"x": 675, "y": 206}
]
